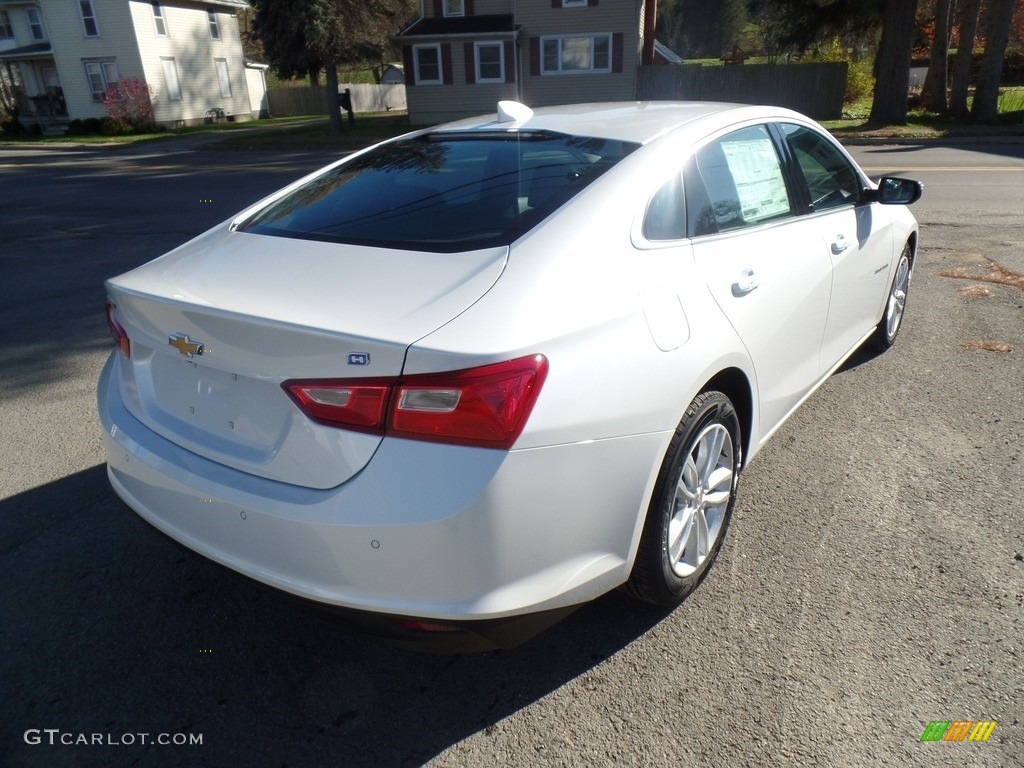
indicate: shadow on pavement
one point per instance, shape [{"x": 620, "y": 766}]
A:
[{"x": 111, "y": 629}]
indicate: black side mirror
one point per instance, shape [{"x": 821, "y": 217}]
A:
[{"x": 896, "y": 191}]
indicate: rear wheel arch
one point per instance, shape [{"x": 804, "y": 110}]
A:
[{"x": 734, "y": 384}]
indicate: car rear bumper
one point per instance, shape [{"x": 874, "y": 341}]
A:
[{"x": 426, "y": 530}]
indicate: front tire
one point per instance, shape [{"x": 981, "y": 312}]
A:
[
  {"x": 692, "y": 503},
  {"x": 895, "y": 305}
]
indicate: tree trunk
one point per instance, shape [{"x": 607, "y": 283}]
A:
[
  {"x": 892, "y": 64},
  {"x": 985, "y": 108},
  {"x": 934, "y": 95},
  {"x": 331, "y": 88},
  {"x": 967, "y": 27}
]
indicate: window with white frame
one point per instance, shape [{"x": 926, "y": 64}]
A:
[
  {"x": 454, "y": 7},
  {"x": 6, "y": 30},
  {"x": 211, "y": 15},
  {"x": 102, "y": 75},
  {"x": 158, "y": 19},
  {"x": 223, "y": 78},
  {"x": 490, "y": 62},
  {"x": 427, "y": 59},
  {"x": 171, "y": 79},
  {"x": 92, "y": 29},
  {"x": 35, "y": 23},
  {"x": 577, "y": 53}
]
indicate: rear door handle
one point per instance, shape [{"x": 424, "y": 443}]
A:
[
  {"x": 839, "y": 244},
  {"x": 745, "y": 284}
]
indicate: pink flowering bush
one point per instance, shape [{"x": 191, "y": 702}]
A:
[{"x": 129, "y": 108}]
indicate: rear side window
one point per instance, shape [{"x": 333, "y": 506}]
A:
[
  {"x": 443, "y": 192},
  {"x": 737, "y": 182},
  {"x": 831, "y": 180}
]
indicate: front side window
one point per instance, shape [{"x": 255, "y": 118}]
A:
[
  {"x": 211, "y": 16},
  {"x": 35, "y": 23},
  {"x": 490, "y": 64},
  {"x": 454, "y": 7},
  {"x": 103, "y": 77},
  {"x": 562, "y": 55},
  {"x": 831, "y": 180},
  {"x": 442, "y": 192},
  {"x": 158, "y": 19},
  {"x": 6, "y": 30},
  {"x": 92, "y": 29},
  {"x": 223, "y": 78},
  {"x": 171, "y": 79},
  {"x": 428, "y": 64},
  {"x": 738, "y": 182}
]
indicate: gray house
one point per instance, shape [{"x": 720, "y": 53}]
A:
[
  {"x": 462, "y": 56},
  {"x": 60, "y": 57}
]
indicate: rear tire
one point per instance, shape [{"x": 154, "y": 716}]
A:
[
  {"x": 895, "y": 305},
  {"x": 692, "y": 503}
]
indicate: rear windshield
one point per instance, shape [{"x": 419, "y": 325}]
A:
[{"x": 442, "y": 192}]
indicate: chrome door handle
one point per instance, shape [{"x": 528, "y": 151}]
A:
[
  {"x": 839, "y": 244},
  {"x": 745, "y": 284}
]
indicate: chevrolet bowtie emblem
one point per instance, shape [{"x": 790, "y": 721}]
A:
[{"x": 182, "y": 343}]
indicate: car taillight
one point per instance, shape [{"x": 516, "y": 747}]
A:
[
  {"x": 486, "y": 406},
  {"x": 117, "y": 332},
  {"x": 358, "y": 405}
]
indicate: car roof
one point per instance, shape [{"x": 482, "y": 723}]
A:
[{"x": 635, "y": 121}]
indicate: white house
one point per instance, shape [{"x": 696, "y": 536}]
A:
[{"x": 61, "y": 56}]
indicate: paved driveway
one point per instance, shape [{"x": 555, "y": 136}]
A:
[{"x": 872, "y": 580}]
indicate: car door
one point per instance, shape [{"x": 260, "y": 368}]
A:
[
  {"x": 764, "y": 265},
  {"x": 856, "y": 237}
]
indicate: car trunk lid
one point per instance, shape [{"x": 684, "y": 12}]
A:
[{"x": 218, "y": 324}]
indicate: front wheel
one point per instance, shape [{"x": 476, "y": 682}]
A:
[
  {"x": 895, "y": 305},
  {"x": 692, "y": 503}
]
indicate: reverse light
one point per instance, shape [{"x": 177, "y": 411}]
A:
[
  {"x": 118, "y": 333},
  {"x": 486, "y": 406}
]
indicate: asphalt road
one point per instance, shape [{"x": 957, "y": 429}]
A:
[{"x": 872, "y": 580}]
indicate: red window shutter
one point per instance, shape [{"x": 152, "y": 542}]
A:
[
  {"x": 470, "y": 63},
  {"x": 556, "y": 3},
  {"x": 509, "y": 51},
  {"x": 409, "y": 65},
  {"x": 446, "y": 63},
  {"x": 591, "y": 3},
  {"x": 469, "y": 7},
  {"x": 439, "y": 7},
  {"x": 617, "y": 52},
  {"x": 534, "y": 56}
]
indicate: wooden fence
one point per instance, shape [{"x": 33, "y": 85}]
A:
[
  {"x": 303, "y": 100},
  {"x": 815, "y": 89}
]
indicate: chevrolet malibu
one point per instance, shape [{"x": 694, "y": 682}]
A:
[{"x": 457, "y": 384}]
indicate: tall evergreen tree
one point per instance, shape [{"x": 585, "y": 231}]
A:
[
  {"x": 892, "y": 64},
  {"x": 966, "y": 28},
  {"x": 985, "y": 108},
  {"x": 935, "y": 91}
]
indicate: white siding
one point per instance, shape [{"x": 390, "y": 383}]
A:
[
  {"x": 70, "y": 46},
  {"x": 189, "y": 43}
]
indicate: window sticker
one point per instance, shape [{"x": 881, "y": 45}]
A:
[{"x": 758, "y": 178}]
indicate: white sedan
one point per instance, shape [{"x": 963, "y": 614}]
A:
[{"x": 461, "y": 382}]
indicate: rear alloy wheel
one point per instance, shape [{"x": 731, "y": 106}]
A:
[
  {"x": 692, "y": 503},
  {"x": 889, "y": 326}
]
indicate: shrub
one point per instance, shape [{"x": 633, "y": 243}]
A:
[
  {"x": 128, "y": 106},
  {"x": 860, "y": 82}
]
